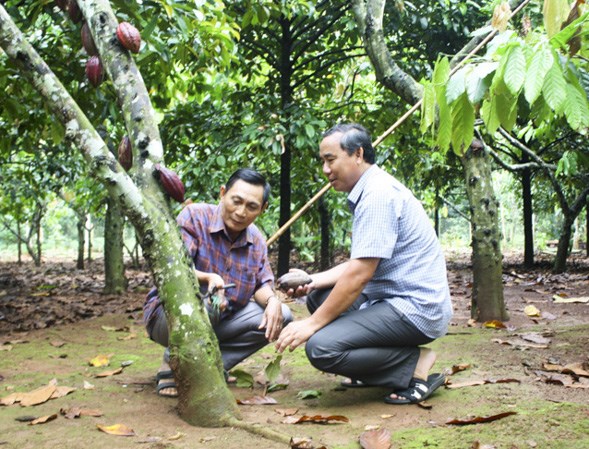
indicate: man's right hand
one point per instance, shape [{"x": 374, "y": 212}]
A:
[{"x": 296, "y": 283}]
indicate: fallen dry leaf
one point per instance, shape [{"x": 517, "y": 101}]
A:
[
  {"x": 472, "y": 383},
  {"x": 6, "y": 348},
  {"x": 317, "y": 419},
  {"x": 109, "y": 373},
  {"x": 303, "y": 443},
  {"x": 376, "y": 439},
  {"x": 76, "y": 412},
  {"x": 61, "y": 392},
  {"x": 11, "y": 398},
  {"x": 257, "y": 400},
  {"x": 177, "y": 436},
  {"x": 571, "y": 368},
  {"x": 38, "y": 396},
  {"x": 494, "y": 324},
  {"x": 57, "y": 343},
  {"x": 286, "y": 411},
  {"x": 531, "y": 311},
  {"x": 562, "y": 300},
  {"x": 100, "y": 360},
  {"x": 88, "y": 385},
  {"x": 117, "y": 429},
  {"x": 457, "y": 368},
  {"x": 43, "y": 419},
  {"x": 479, "y": 419}
]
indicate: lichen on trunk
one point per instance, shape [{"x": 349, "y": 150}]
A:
[{"x": 487, "y": 291}]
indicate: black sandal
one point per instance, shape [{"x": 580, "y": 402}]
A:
[{"x": 418, "y": 390}]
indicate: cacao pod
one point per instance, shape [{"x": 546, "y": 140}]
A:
[
  {"x": 125, "y": 153},
  {"x": 171, "y": 182},
  {"x": 61, "y": 4},
  {"x": 292, "y": 279},
  {"x": 74, "y": 11},
  {"x": 94, "y": 71},
  {"x": 129, "y": 37},
  {"x": 87, "y": 41}
]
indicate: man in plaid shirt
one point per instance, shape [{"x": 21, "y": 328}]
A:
[{"x": 227, "y": 248}]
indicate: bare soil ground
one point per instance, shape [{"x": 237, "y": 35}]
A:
[{"x": 54, "y": 319}]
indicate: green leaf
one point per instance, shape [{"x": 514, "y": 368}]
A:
[
  {"x": 273, "y": 368},
  {"x": 441, "y": 73},
  {"x": 561, "y": 39},
  {"x": 444, "y": 126},
  {"x": 490, "y": 115},
  {"x": 308, "y": 394},
  {"x": 428, "y": 108},
  {"x": 576, "y": 110},
  {"x": 456, "y": 85},
  {"x": 515, "y": 70},
  {"x": 507, "y": 110},
  {"x": 554, "y": 88},
  {"x": 310, "y": 131},
  {"x": 462, "y": 124},
  {"x": 541, "y": 62},
  {"x": 244, "y": 379},
  {"x": 477, "y": 81},
  {"x": 555, "y": 13}
]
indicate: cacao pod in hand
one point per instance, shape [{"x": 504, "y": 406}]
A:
[
  {"x": 292, "y": 280},
  {"x": 171, "y": 182},
  {"x": 61, "y": 4},
  {"x": 87, "y": 41},
  {"x": 125, "y": 153},
  {"x": 94, "y": 71},
  {"x": 74, "y": 11},
  {"x": 129, "y": 37}
]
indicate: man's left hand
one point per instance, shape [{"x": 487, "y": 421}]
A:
[{"x": 295, "y": 334}]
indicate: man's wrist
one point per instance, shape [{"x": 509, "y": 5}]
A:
[{"x": 271, "y": 297}]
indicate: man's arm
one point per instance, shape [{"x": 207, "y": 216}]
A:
[{"x": 349, "y": 285}]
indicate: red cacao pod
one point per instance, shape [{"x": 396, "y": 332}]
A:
[
  {"x": 61, "y": 4},
  {"x": 125, "y": 153},
  {"x": 171, "y": 182},
  {"x": 129, "y": 37},
  {"x": 94, "y": 71},
  {"x": 87, "y": 41},
  {"x": 74, "y": 11}
]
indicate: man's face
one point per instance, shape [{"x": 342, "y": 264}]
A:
[
  {"x": 341, "y": 169},
  {"x": 241, "y": 205}
]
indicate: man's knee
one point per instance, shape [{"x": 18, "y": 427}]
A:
[
  {"x": 321, "y": 354},
  {"x": 286, "y": 315}
]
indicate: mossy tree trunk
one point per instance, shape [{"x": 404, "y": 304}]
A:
[
  {"x": 205, "y": 399},
  {"x": 81, "y": 227},
  {"x": 115, "y": 281},
  {"x": 487, "y": 290}
]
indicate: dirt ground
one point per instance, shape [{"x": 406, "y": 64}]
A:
[{"x": 54, "y": 319}]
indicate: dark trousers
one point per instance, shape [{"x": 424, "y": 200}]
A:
[{"x": 376, "y": 344}]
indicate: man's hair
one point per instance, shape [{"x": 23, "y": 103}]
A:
[
  {"x": 250, "y": 176},
  {"x": 354, "y": 136}
]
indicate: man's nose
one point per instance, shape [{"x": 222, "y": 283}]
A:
[{"x": 326, "y": 169}]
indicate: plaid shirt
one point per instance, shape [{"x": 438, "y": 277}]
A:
[{"x": 243, "y": 262}]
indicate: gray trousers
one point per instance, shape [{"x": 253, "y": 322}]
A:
[
  {"x": 376, "y": 345},
  {"x": 238, "y": 335}
]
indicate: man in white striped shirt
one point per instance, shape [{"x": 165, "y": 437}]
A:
[{"x": 371, "y": 315}]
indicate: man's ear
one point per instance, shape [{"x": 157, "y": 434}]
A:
[
  {"x": 222, "y": 191},
  {"x": 264, "y": 207},
  {"x": 360, "y": 153}
]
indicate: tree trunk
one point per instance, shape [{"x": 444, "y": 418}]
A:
[
  {"x": 89, "y": 228},
  {"x": 286, "y": 70},
  {"x": 115, "y": 281},
  {"x": 487, "y": 291},
  {"x": 81, "y": 226},
  {"x": 325, "y": 223},
  {"x": 564, "y": 244},
  {"x": 528, "y": 212},
  {"x": 19, "y": 242},
  {"x": 587, "y": 228},
  {"x": 204, "y": 398}
]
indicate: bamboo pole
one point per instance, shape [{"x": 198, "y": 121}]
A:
[{"x": 394, "y": 126}]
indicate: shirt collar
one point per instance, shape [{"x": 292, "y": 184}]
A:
[
  {"x": 218, "y": 225},
  {"x": 356, "y": 192}
]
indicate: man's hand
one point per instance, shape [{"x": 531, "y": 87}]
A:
[
  {"x": 295, "y": 334},
  {"x": 300, "y": 290},
  {"x": 272, "y": 319}
]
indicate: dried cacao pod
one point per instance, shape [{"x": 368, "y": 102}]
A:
[
  {"x": 292, "y": 279},
  {"x": 129, "y": 37},
  {"x": 125, "y": 153},
  {"x": 94, "y": 71},
  {"x": 74, "y": 11},
  {"x": 171, "y": 182},
  {"x": 61, "y": 4},
  {"x": 87, "y": 41}
]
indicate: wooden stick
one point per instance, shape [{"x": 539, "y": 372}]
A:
[{"x": 394, "y": 126}]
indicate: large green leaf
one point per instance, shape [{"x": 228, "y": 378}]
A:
[
  {"x": 507, "y": 110},
  {"x": 462, "y": 124},
  {"x": 576, "y": 110},
  {"x": 490, "y": 115},
  {"x": 555, "y": 13},
  {"x": 560, "y": 39},
  {"x": 541, "y": 62},
  {"x": 554, "y": 88},
  {"x": 477, "y": 81},
  {"x": 457, "y": 84},
  {"x": 515, "y": 70},
  {"x": 428, "y": 108}
]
